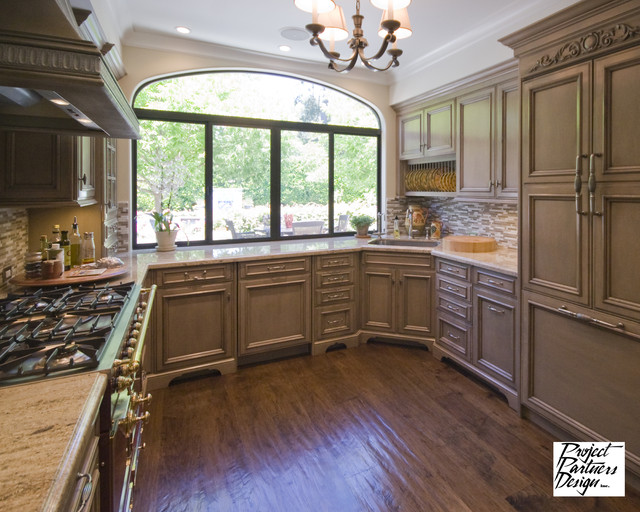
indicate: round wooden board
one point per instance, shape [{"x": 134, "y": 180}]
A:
[
  {"x": 461, "y": 243},
  {"x": 67, "y": 278}
]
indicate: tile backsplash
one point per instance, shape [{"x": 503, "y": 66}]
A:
[
  {"x": 14, "y": 238},
  {"x": 499, "y": 220}
]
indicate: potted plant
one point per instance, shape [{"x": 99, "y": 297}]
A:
[
  {"x": 361, "y": 223},
  {"x": 166, "y": 230}
]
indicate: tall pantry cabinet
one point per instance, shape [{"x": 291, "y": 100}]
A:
[{"x": 580, "y": 219}]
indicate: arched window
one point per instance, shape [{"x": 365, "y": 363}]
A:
[{"x": 252, "y": 156}]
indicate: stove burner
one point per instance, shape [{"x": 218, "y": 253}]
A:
[{"x": 57, "y": 329}]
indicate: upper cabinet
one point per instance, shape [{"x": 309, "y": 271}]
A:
[
  {"x": 465, "y": 144},
  {"x": 429, "y": 132},
  {"x": 45, "y": 169}
]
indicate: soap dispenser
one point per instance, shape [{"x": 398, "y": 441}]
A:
[{"x": 396, "y": 228}]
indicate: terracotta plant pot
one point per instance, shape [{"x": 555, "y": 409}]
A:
[
  {"x": 166, "y": 240},
  {"x": 362, "y": 231}
]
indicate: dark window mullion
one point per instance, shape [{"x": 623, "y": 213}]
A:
[
  {"x": 208, "y": 183},
  {"x": 276, "y": 168},
  {"x": 331, "y": 184}
]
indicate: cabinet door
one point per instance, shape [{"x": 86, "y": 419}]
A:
[
  {"x": 35, "y": 167},
  {"x": 86, "y": 169},
  {"x": 495, "y": 336},
  {"x": 556, "y": 124},
  {"x": 110, "y": 197},
  {"x": 507, "y": 170},
  {"x": 616, "y": 116},
  {"x": 274, "y": 313},
  {"x": 555, "y": 242},
  {"x": 476, "y": 144},
  {"x": 616, "y": 249},
  {"x": 439, "y": 130},
  {"x": 415, "y": 310},
  {"x": 410, "y": 136},
  {"x": 195, "y": 324},
  {"x": 378, "y": 299}
]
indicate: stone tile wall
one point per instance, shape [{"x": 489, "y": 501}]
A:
[
  {"x": 499, "y": 220},
  {"x": 14, "y": 239}
]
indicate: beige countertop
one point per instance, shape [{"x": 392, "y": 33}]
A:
[
  {"x": 504, "y": 260},
  {"x": 43, "y": 425}
]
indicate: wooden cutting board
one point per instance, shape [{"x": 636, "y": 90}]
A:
[
  {"x": 461, "y": 243},
  {"x": 70, "y": 277}
]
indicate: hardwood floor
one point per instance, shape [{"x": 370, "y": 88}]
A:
[{"x": 373, "y": 428}]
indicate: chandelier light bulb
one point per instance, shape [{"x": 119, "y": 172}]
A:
[{"x": 401, "y": 15}]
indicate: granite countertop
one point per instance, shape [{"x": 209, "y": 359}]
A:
[
  {"x": 504, "y": 260},
  {"x": 44, "y": 425}
]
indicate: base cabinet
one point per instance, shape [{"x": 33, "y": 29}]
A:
[
  {"x": 195, "y": 317},
  {"x": 477, "y": 324},
  {"x": 274, "y": 305},
  {"x": 397, "y": 296}
]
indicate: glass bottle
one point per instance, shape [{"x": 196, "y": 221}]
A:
[
  {"x": 65, "y": 244},
  {"x": 76, "y": 245},
  {"x": 88, "y": 248},
  {"x": 44, "y": 245},
  {"x": 55, "y": 235}
]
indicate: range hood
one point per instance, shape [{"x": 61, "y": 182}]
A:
[{"x": 51, "y": 79}]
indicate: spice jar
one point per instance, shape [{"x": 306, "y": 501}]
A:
[{"x": 56, "y": 254}]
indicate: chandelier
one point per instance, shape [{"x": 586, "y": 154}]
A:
[{"x": 328, "y": 24}]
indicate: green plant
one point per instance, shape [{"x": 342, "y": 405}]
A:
[
  {"x": 361, "y": 220},
  {"x": 163, "y": 221}
]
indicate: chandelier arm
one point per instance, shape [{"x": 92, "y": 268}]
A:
[
  {"x": 392, "y": 63},
  {"x": 346, "y": 69},
  {"x": 316, "y": 41},
  {"x": 389, "y": 38}
]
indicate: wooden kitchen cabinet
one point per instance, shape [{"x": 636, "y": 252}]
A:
[
  {"x": 580, "y": 211},
  {"x": 335, "y": 318},
  {"x": 488, "y": 143},
  {"x": 477, "y": 324},
  {"x": 397, "y": 296},
  {"x": 108, "y": 194},
  {"x": 429, "y": 132},
  {"x": 44, "y": 169},
  {"x": 274, "y": 305},
  {"x": 194, "y": 320}
]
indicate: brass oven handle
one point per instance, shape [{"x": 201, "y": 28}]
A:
[
  {"x": 86, "y": 490},
  {"x": 577, "y": 184},
  {"x": 593, "y": 184}
]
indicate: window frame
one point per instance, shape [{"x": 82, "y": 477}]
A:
[{"x": 276, "y": 128}]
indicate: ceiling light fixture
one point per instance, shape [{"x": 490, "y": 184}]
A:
[
  {"x": 183, "y": 30},
  {"x": 328, "y": 24}
]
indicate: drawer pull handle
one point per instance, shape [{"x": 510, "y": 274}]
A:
[
  {"x": 590, "y": 320},
  {"x": 493, "y": 281},
  {"x": 200, "y": 278},
  {"x": 496, "y": 310},
  {"x": 454, "y": 270},
  {"x": 336, "y": 278},
  {"x": 453, "y": 336},
  {"x": 452, "y": 308},
  {"x": 273, "y": 268},
  {"x": 333, "y": 322},
  {"x": 334, "y": 263},
  {"x": 335, "y": 296},
  {"x": 452, "y": 289}
]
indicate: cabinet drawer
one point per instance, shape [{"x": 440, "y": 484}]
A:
[
  {"x": 335, "y": 295},
  {"x": 453, "y": 287},
  {"x": 445, "y": 304},
  {"x": 459, "y": 270},
  {"x": 334, "y": 278},
  {"x": 262, "y": 268},
  {"x": 328, "y": 261},
  {"x": 454, "y": 336},
  {"x": 201, "y": 274},
  {"x": 334, "y": 321},
  {"x": 397, "y": 259},
  {"x": 495, "y": 281}
]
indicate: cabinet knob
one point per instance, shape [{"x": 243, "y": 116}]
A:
[{"x": 83, "y": 179}]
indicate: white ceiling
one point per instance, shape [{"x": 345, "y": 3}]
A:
[{"x": 441, "y": 28}]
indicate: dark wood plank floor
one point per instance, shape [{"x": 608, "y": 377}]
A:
[{"x": 374, "y": 428}]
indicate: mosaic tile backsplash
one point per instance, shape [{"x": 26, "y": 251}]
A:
[
  {"x": 499, "y": 220},
  {"x": 14, "y": 238}
]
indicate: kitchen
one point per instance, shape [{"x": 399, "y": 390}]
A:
[{"x": 488, "y": 215}]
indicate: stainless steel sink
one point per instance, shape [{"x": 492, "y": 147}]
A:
[{"x": 405, "y": 242}]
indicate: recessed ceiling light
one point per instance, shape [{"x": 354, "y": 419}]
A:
[
  {"x": 183, "y": 30},
  {"x": 284, "y": 48},
  {"x": 294, "y": 34}
]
